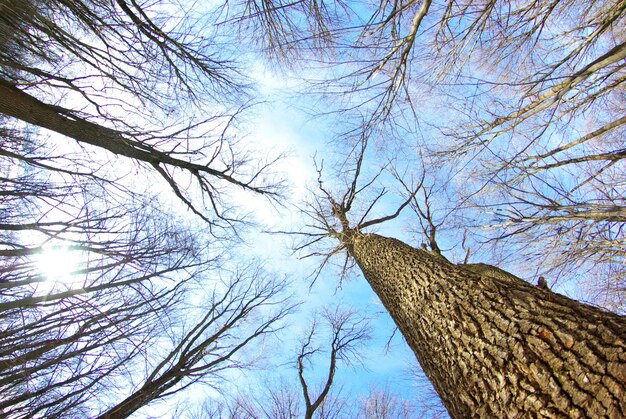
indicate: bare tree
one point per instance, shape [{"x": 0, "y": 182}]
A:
[
  {"x": 491, "y": 345},
  {"x": 382, "y": 404},
  {"x": 110, "y": 75},
  {"x": 336, "y": 336},
  {"x": 522, "y": 102},
  {"x": 134, "y": 82},
  {"x": 212, "y": 344},
  {"x": 135, "y": 268},
  {"x": 94, "y": 334},
  {"x": 347, "y": 334},
  {"x": 64, "y": 339}
]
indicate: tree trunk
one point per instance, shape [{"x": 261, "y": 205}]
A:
[
  {"x": 20, "y": 105},
  {"x": 498, "y": 347},
  {"x": 148, "y": 392}
]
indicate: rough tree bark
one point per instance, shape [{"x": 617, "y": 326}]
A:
[{"x": 497, "y": 347}]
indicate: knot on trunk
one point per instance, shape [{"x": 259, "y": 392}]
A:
[{"x": 347, "y": 234}]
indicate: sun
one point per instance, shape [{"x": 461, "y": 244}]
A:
[{"x": 57, "y": 263}]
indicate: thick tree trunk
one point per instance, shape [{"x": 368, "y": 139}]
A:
[{"x": 498, "y": 347}]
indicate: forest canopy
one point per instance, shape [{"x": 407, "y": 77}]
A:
[{"x": 486, "y": 132}]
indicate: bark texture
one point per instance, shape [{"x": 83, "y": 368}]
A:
[{"x": 498, "y": 346}]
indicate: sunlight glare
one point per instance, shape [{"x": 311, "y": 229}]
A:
[{"x": 57, "y": 263}]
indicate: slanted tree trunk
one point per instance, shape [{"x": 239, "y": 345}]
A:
[
  {"x": 18, "y": 104},
  {"x": 498, "y": 347},
  {"x": 148, "y": 392}
]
